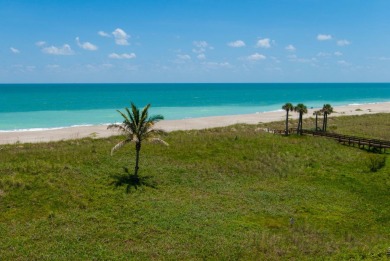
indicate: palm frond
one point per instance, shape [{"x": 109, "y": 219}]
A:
[
  {"x": 144, "y": 114},
  {"x": 301, "y": 108},
  {"x": 138, "y": 127},
  {"x": 130, "y": 115},
  {"x": 156, "y": 131},
  {"x": 288, "y": 107},
  {"x": 119, "y": 127},
  {"x": 125, "y": 118},
  {"x": 135, "y": 114},
  {"x": 120, "y": 145},
  {"x": 158, "y": 140},
  {"x": 155, "y": 118}
]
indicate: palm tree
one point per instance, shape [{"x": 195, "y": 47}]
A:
[
  {"x": 317, "y": 113},
  {"x": 287, "y": 107},
  {"x": 137, "y": 127},
  {"x": 301, "y": 109},
  {"x": 326, "y": 110}
]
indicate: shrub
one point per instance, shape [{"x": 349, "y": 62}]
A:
[{"x": 375, "y": 162}]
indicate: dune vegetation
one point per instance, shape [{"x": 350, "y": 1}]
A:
[{"x": 222, "y": 194}]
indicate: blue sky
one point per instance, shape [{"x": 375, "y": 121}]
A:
[{"x": 194, "y": 41}]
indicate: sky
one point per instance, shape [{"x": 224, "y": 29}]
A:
[{"x": 145, "y": 41}]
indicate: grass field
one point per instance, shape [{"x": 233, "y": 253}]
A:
[{"x": 221, "y": 194}]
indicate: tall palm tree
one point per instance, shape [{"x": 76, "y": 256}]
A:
[
  {"x": 137, "y": 127},
  {"x": 301, "y": 109},
  {"x": 317, "y": 113},
  {"x": 326, "y": 110},
  {"x": 287, "y": 107}
]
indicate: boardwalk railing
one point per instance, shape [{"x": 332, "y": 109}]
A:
[
  {"x": 345, "y": 139},
  {"x": 352, "y": 140}
]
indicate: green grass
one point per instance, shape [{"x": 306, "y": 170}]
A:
[{"x": 226, "y": 193}]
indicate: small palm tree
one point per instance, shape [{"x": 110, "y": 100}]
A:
[
  {"x": 287, "y": 107},
  {"x": 317, "y": 113},
  {"x": 326, "y": 110},
  {"x": 137, "y": 127},
  {"x": 301, "y": 109}
]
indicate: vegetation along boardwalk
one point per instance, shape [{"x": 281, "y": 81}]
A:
[
  {"x": 353, "y": 140},
  {"x": 364, "y": 143}
]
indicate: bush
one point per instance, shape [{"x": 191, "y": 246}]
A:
[{"x": 375, "y": 162}]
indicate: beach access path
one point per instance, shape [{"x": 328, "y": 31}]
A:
[{"x": 100, "y": 131}]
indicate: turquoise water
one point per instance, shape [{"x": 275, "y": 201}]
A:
[{"x": 37, "y": 106}]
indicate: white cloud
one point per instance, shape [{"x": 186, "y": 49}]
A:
[
  {"x": 103, "y": 34},
  {"x": 217, "y": 65},
  {"x": 290, "y": 48},
  {"x": 64, "y": 50},
  {"x": 52, "y": 66},
  {"x": 40, "y": 43},
  {"x": 256, "y": 57},
  {"x": 343, "y": 63},
  {"x": 383, "y": 58},
  {"x": 276, "y": 60},
  {"x": 86, "y": 46},
  {"x": 122, "y": 56},
  {"x": 201, "y": 47},
  {"x": 292, "y": 57},
  {"x": 24, "y": 68},
  {"x": 201, "y": 56},
  {"x": 295, "y": 58},
  {"x": 324, "y": 37},
  {"x": 201, "y": 44},
  {"x": 338, "y": 53},
  {"x": 264, "y": 43},
  {"x": 200, "y": 50},
  {"x": 343, "y": 42},
  {"x": 184, "y": 57},
  {"x": 120, "y": 37},
  {"x": 237, "y": 44},
  {"x": 99, "y": 67},
  {"x": 322, "y": 54},
  {"x": 14, "y": 50}
]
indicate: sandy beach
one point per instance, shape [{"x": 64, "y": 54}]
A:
[{"x": 101, "y": 131}]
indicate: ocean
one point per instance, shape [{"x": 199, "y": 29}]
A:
[{"x": 46, "y": 106}]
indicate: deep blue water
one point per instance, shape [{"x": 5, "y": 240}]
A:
[{"x": 28, "y": 106}]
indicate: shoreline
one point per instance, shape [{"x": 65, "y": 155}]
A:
[{"x": 100, "y": 131}]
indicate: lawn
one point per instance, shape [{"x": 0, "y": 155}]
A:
[{"x": 221, "y": 194}]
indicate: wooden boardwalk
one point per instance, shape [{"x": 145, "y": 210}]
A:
[{"x": 363, "y": 143}]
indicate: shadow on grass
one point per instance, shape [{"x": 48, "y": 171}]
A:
[{"x": 131, "y": 181}]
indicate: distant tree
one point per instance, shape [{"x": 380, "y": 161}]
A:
[
  {"x": 301, "y": 109},
  {"x": 137, "y": 127},
  {"x": 317, "y": 113},
  {"x": 326, "y": 110},
  {"x": 287, "y": 107}
]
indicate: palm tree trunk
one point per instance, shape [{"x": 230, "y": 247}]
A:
[
  {"x": 301, "y": 122},
  {"x": 286, "y": 123},
  {"x": 137, "y": 151},
  {"x": 326, "y": 122},
  {"x": 323, "y": 122}
]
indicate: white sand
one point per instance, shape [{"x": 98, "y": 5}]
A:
[{"x": 187, "y": 124}]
